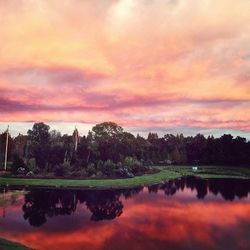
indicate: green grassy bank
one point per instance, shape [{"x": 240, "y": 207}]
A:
[
  {"x": 164, "y": 174},
  {"x": 8, "y": 245}
]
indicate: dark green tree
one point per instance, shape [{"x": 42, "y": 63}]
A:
[
  {"x": 107, "y": 136},
  {"x": 39, "y": 140}
]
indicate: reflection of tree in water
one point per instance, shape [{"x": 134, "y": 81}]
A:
[
  {"x": 199, "y": 184},
  {"x": 103, "y": 204},
  {"x": 40, "y": 204},
  {"x": 229, "y": 189}
]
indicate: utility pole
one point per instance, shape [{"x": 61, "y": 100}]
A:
[{"x": 6, "y": 149}]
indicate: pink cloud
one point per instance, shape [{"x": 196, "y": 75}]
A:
[{"x": 156, "y": 64}]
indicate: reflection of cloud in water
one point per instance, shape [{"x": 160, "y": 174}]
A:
[{"x": 169, "y": 217}]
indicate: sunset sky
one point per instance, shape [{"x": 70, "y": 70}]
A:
[{"x": 149, "y": 65}]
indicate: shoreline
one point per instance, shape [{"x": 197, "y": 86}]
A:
[{"x": 165, "y": 173}]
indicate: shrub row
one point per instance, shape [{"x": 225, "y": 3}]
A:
[{"x": 101, "y": 169}]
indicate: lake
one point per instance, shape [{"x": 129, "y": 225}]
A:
[{"x": 188, "y": 213}]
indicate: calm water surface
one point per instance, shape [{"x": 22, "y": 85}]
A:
[{"x": 182, "y": 214}]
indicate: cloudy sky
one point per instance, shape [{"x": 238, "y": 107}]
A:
[{"x": 149, "y": 65}]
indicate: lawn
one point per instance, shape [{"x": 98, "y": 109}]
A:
[
  {"x": 8, "y": 245},
  {"x": 164, "y": 174}
]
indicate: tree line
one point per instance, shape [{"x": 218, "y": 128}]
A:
[{"x": 108, "y": 147}]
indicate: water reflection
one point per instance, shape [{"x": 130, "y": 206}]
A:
[
  {"x": 103, "y": 204},
  {"x": 42, "y": 204},
  {"x": 229, "y": 189},
  {"x": 188, "y": 213}
]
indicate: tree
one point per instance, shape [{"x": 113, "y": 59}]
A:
[
  {"x": 127, "y": 145},
  {"x": 107, "y": 130},
  {"x": 55, "y": 138},
  {"x": 39, "y": 138},
  {"x": 142, "y": 148},
  {"x": 17, "y": 163},
  {"x": 152, "y": 136},
  {"x": 83, "y": 151},
  {"x": 3, "y": 144},
  {"x": 196, "y": 149},
  {"x": 107, "y": 136},
  {"x": 226, "y": 142},
  {"x": 56, "y": 155},
  {"x": 20, "y": 145},
  {"x": 68, "y": 145},
  {"x": 108, "y": 141}
]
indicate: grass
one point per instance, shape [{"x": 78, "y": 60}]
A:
[
  {"x": 8, "y": 245},
  {"x": 212, "y": 172},
  {"x": 165, "y": 173}
]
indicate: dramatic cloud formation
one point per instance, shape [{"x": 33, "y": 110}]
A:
[{"x": 142, "y": 63}]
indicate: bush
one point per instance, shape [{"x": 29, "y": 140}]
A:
[
  {"x": 32, "y": 164},
  {"x": 21, "y": 171},
  {"x": 99, "y": 165},
  {"x": 30, "y": 174},
  {"x": 133, "y": 164},
  {"x": 91, "y": 169},
  {"x": 109, "y": 167},
  {"x": 124, "y": 172},
  {"x": 62, "y": 169},
  {"x": 83, "y": 173},
  {"x": 76, "y": 167},
  {"x": 79, "y": 174},
  {"x": 146, "y": 163},
  {"x": 99, "y": 174},
  {"x": 119, "y": 165},
  {"x": 18, "y": 163},
  {"x": 37, "y": 170}
]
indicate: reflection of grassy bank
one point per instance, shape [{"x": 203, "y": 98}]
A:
[
  {"x": 8, "y": 245},
  {"x": 165, "y": 174}
]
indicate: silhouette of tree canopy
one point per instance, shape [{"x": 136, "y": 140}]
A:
[
  {"x": 108, "y": 141},
  {"x": 39, "y": 138}
]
